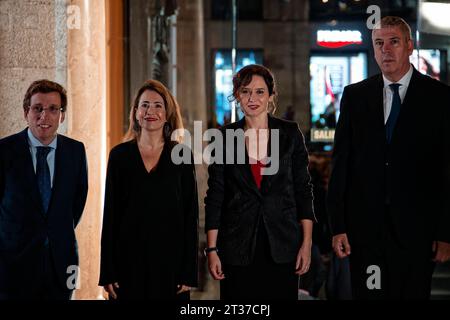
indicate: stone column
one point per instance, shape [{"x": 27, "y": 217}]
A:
[
  {"x": 87, "y": 123},
  {"x": 191, "y": 95},
  {"x": 191, "y": 61},
  {"x": 191, "y": 86}
]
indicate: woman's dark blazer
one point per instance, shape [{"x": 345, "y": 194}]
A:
[{"x": 234, "y": 205}]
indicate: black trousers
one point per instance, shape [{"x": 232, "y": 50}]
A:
[
  {"x": 50, "y": 288},
  {"x": 263, "y": 279},
  {"x": 404, "y": 273},
  {"x": 46, "y": 285}
]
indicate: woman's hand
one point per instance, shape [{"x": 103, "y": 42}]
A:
[
  {"x": 303, "y": 259},
  {"x": 215, "y": 266},
  {"x": 182, "y": 288},
  {"x": 110, "y": 289}
]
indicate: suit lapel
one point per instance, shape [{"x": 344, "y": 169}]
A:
[
  {"x": 283, "y": 147},
  {"x": 23, "y": 151},
  {"x": 58, "y": 175},
  {"x": 411, "y": 98},
  {"x": 376, "y": 107},
  {"x": 244, "y": 169}
]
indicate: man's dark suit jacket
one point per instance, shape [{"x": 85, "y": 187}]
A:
[
  {"x": 235, "y": 205},
  {"x": 411, "y": 174},
  {"x": 23, "y": 225}
]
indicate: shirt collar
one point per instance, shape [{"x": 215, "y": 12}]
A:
[
  {"x": 404, "y": 81},
  {"x": 34, "y": 142}
]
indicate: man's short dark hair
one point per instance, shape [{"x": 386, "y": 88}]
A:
[{"x": 45, "y": 86}]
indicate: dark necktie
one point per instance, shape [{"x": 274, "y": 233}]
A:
[
  {"x": 395, "y": 111},
  {"x": 43, "y": 176}
]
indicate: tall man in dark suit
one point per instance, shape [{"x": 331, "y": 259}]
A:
[
  {"x": 43, "y": 189},
  {"x": 391, "y": 174}
]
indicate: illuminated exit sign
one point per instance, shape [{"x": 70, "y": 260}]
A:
[
  {"x": 338, "y": 38},
  {"x": 322, "y": 135}
]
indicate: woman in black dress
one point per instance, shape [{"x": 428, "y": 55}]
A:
[
  {"x": 150, "y": 236},
  {"x": 259, "y": 226}
]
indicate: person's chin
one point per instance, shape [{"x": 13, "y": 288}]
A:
[
  {"x": 154, "y": 127},
  {"x": 46, "y": 138},
  {"x": 43, "y": 134},
  {"x": 388, "y": 69},
  {"x": 253, "y": 112}
]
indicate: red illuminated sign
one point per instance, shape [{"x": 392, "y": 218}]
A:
[{"x": 338, "y": 38}]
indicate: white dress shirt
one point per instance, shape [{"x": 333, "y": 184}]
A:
[
  {"x": 33, "y": 142},
  {"x": 387, "y": 91}
]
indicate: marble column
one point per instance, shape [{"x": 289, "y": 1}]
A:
[
  {"x": 87, "y": 123},
  {"x": 191, "y": 95}
]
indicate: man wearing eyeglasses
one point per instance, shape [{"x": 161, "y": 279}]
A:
[{"x": 43, "y": 190}]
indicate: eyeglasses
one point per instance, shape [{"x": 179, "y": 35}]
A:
[{"x": 38, "y": 109}]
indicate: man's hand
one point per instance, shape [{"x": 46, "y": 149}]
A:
[
  {"x": 182, "y": 288},
  {"x": 110, "y": 289},
  {"x": 341, "y": 246},
  {"x": 442, "y": 251}
]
